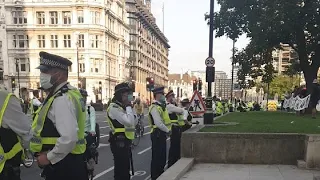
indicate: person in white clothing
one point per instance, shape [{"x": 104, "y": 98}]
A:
[{"x": 34, "y": 103}]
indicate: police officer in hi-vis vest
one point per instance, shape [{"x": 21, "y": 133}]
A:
[
  {"x": 185, "y": 103},
  {"x": 160, "y": 128},
  {"x": 122, "y": 122},
  {"x": 176, "y": 117},
  {"x": 58, "y": 127},
  {"x": 14, "y": 130}
]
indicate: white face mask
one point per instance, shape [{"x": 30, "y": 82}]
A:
[{"x": 45, "y": 81}]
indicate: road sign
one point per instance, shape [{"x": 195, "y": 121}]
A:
[
  {"x": 210, "y": 62},
  {"x": 197, "y": 106}
]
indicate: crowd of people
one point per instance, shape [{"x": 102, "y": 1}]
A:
[{"x": 64, "y": 128}]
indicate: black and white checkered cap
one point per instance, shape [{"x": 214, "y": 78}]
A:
[{"x": 48, "y": 61}]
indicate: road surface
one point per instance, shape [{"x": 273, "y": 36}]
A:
[{"x": 104, "y": 170}]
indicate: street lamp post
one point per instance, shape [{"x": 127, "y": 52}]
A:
[
  {"x": 78, "y": 68},
  {"x": 78, "y": 65},
  {"x": 18, "y": 71},
  {"x": 232, "y": 73},
  {"x": 208, "y": 116}
]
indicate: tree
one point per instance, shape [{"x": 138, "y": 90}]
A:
[
  {"x": 293, "y": 69},
  {"x": 283, "y": 84},
  {"x": 268, "y": 23}
]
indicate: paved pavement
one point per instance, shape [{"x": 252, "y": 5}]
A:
[
  {"x": 248, "y": 172},
  {"x": 104, "y": 170}
]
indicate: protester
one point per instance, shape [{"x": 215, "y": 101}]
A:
[{"x": 315, "y": 96}]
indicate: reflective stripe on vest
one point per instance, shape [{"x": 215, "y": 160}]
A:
[
  {"x": 128, "y": 131},
  {"x": 164, "y": 117},
  {"x": 17, "y": 147},
  {"x": 37, "y": 141}
]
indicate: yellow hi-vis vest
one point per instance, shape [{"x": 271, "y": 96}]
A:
[
  {"x": 4, "y": 156},
  {"x": 116, "y": 127},
  {"x": 37, "y": 141},
  {"x": 163, "y": 114},
  {"x": 181, "y": 120},
  {"x": 219, "y": 108}
]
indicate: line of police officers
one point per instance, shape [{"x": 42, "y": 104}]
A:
[{"x": 57, "y": 133}]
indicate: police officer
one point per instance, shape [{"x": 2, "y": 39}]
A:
[
  {"x": 160, "y": 128},
  {"x": 185, "y": 103},
  {"x": 90, "y": 132},
  {"x": 177, "y": 124},
  {"x": 14, "y": 124},
  {"x": 122, "y": 121},
  {"x": 58, "y": 127}
]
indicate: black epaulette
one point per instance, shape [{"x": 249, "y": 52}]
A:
[
  {"x": 62, "y": 91},
  {"x": 115, "y": 105}
]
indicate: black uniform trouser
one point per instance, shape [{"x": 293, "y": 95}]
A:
[
  {"x": 121, "y": 151},
  {"x": 159, "y": 153},
  {"x": 175, "y": 145},
  {"x": 10, "y": 173},
  {"x": 71, "y": 167},
  {"x": 90, "y": 140},
  {"x": 185, "y": 127}
]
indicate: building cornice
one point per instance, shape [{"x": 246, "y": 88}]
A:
[{"x": 149, "y": 20}]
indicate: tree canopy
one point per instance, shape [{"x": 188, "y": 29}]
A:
[
  {"x": 283, "y": 84},
  {"x": 268, "y": 23}
]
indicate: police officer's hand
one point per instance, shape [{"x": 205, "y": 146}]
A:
[{"x": 42, "y": 159}]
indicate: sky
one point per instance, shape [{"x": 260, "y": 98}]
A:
[{"x": 188, "y": 35}]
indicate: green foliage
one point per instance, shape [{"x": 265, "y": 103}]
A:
[
  {"x": 283, "y": 84},
  {"x": 293, "y": 68},
  {"x": 254, "y": 64},
  {"x": 268, "y": 23}
]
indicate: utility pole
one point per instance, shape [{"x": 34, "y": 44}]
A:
[
  {"x": 18, "y": 71},
  {"x": 163, "y": 18},
  {"x": 78, "y": 64},
  {"x": 232, "y": 69},
  {"x": 208, "y": 116},
  {"x": 109, "y": 74}
]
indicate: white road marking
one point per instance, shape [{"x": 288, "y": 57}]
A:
[
  {"x": 103, "y": 173},
  {"x": 105, "y": 135},
  {"x": 141, "y": 152},
  {"x": 147, "y": 149},
  {"x": 104, "y": 127},
  {"x": 103, "y": 145}
]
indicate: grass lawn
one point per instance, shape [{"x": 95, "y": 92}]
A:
[{"x": 267, "y": 122}]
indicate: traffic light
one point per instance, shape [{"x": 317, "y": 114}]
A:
[
  {"x": 150, "y": 83},
  {"x": 178, "y": 91},
  {"x": 200, "y": 85},
  {"x": 100, "y": 87},
  {"x": 195, "y": 84},
  {"x": 13, "y": 82}
]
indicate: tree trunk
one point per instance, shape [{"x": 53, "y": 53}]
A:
[{"x": 310, "y": 73}]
